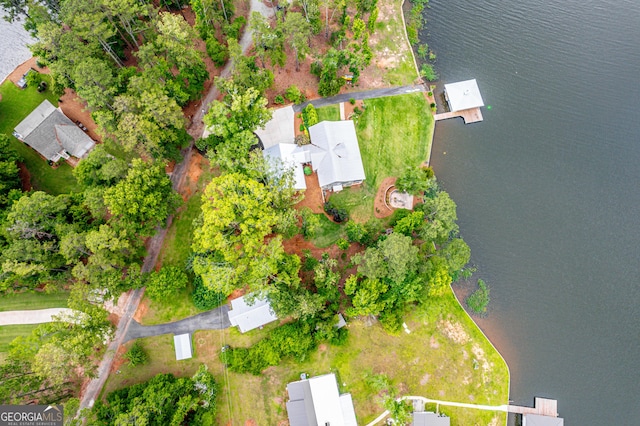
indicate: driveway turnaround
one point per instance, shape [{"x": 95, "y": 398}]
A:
[
  {"x": 215, "y": 319},
  {"x": 30, "y": 317}
]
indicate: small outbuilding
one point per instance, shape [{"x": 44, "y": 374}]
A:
[
  {"x": 182, "y": 343},
  {"x": 425, "y": 418},
  {"x": 335, "y": 154},
  {"x": 52, "y": 134},
  {"x": 317, "y": 401},
  {"x": 538, "y": 420},
  {"x": 248, "y": 315},
  {"x": 463, "y": 95}
]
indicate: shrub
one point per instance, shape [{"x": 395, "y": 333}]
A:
[
  {"x": 294, "y": 95},
  {"x": 310, "y": 262},
  {"x": 423, "y": 51},
  {"x": 342, "y": 244},
  {"x": 310, "y": 223},
  {"x": 432, "y": 56},
  {"x": 307, "y": 171},
  {"x": 302, "y": 139},
  {"x": 136, "y": 355},
  {"x": 217, "y": 51},
  {"x": 479, "y": 299},
  {"x": 33, "y": 78},
  {"x": 310, "y": 115},
  {"x": 166, "y": 282},
  {"x": 428, "y": 72},
  {"x": 429, "y": 94},
  {"x": 278, "y": 99},
  {"x": 234, "y": 29},
  {"x": 205, "y": 298},
  {"x": 338, "y": 215},
  {"x": 352, "y": 101}
]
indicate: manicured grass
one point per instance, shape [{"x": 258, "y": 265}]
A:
[
  {"x": 394, "y": 132},
  {"x": 328, "y": 113},
  {"x": 10, "y": 332},
  {"x": 174, "y": 308},
  {"x": 445, "y": 357},
  {"x": 15, "y": 106},
  {"x": 357, "y": 200},
  {"x": 328, "y": 233},
  {"x": 32, "y": 301}
]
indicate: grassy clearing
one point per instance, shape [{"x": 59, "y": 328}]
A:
[
  {"x": 328, "y": 232},
  {"x": 15, "y": 106},
  {"x": 445, "y": 357},
  {"x": 10, "y": 332},
  {"x": 32, "y": 301},
  {"x": 357, "y": 200},
  {"x": 178, "y": 306},
  {"x": 328, "y": 113}
]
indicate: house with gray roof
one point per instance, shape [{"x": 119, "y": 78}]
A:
[
  {"x": 249, "y": 312},
  {"x": 52, "y": 134},
  {"x": 539, "y": 420},
  {"x": 317, "y": 402},
  {"x": 335, "y": 154}
]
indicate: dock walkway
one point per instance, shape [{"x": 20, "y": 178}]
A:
[{"x": 473, "y": 115}]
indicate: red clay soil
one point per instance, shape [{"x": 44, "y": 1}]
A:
[
  {"x": 118, "y": 359},
  {"x": 312, "y": 195},
  {"x": 143, "y": 307},
  {"x": 348, "y": 108},
  {"x": 379, "y": 206},
  {"x": 76, "y": 109},
  {"x": 25, "y": 177},
  {"x": 17, "y": 73}
]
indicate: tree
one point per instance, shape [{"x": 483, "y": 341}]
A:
[
  {"x": 297, "y": 31},
  {"x": 268, "y": 42},
  {"x": 415, "y": 180},
  {"x": 165, "y": 283},
  {"x": 143, "y": 199},
  {"x": 368, "y": 297},
  {"x": 394, "y": 259},
  {"x": 438, "y": 277},
  {"x": 100, "y": 168},
  {"x": 95, "y": 83},
  {"x": 245, "y": 73},
  {"x": 9, "y": 178},
  {"x": 440, "y": 212}
]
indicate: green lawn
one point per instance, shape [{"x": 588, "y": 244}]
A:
[
  {"x": 10, "y": 332},
  {"x": 328, "y": 232},
  {"x": 328, "y": 113},
  {"x": 445, "y": 357},
  {"x": 32, "y": 301},
  {"x": 16, "y": 104}
]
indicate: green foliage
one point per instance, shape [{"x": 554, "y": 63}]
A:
[
  {"x": 100, "y": 168},
  {"x": 163, "y": 400},
  {"x": 416, "y": 180},
  {"x": 438, "y": 276},
  {"x": 136, "y": 355},
  {"x": 342, "y": 244},
  {"x": 409, "y": 224},
  {"x": 278, "y": 99},
  {"x": 310, "y": 223},
  {"x": 205, "y": 298},
  {"x": 166, "y": 282},
  {"x": 293, "y": 94},
  {"x": 309, "y": 116},
  {"x": 339, "y": 215},
  {"x": 34, "y": 78},
  {"x": 427, "y": 72},
  {"x": 479, "y": 299},
  {"x": 217, "y": 51},
  {"x": 9, "y": 178}
]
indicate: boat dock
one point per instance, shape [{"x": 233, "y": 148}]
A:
[
  {"x": 541, "y": 406},
  {"x": 471, "y": 115}
]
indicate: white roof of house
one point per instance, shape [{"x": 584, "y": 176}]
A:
[
  {"x": 182, "y": 342},
  {"x": 280, "y": 129},
  {"x": 316, "y": 401},
  {"x": 335, "y": 153},
  {"x": 426, "y": 418},
  {"x": 247, "y": 317},
  {"x": 50, "y": 132},
  {"x": 288, "y": 155},
  {"x": 463, "y": 95}
]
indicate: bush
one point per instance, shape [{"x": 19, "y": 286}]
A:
[
  {"x": 310, "y": 115},
  {"x": 33, "y": 78},
  {"x": 428, "y": 72},
  {"x": 165, "y": 283},
  {"x": 293, "y": 94},
  {"x": 479, "y": 299},
  {"x": 352, "y": 101},
  {"x": 233, "y": 30},
  {"x": 310, "y": 223},
  {"x": 205, "y": 298},
  {"x": 429, "y": 94},
  {"x": 338, "y": 215},
  {"x": 136, "y": 355},
  {"x": 278, "y": 99},
  {"x": 342, "y": 244},
  {"x": 217, "y": 51}
]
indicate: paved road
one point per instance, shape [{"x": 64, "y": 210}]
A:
[
  {"x": 155, "y": 243},
  {"x": 37, "y": 316},
  {"x": 368, "y": 94},
  {"x": 216, "y": 319}
]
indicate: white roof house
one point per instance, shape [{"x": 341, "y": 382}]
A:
[
  {"x": 53, "y": 134},
  {"x": 316, "y": 401},
  {"x": 463, "y": 95},
  {"x": 538, "y": 420},
  {"x": 249, "y": 316},
  {"x": 335, "y": 154},
  {"x": 182, "y": 343},
  {"x": 288, "y": 155},
  {"x": 280, "y": 129},
  {"x": 425, "y": 418}
]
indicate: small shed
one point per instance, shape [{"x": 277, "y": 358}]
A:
[
  {"x": 463, "y": 95},
  {"x": 250, "y": 315},
  {"x": 182, "y": 343},
  {"x": 538, "y": 420}
]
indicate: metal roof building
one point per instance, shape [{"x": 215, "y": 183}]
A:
[
  {"x": 288, "y": 155},
  {"x": 424, "y": 418},
  {"x": 249, "y": 316},
  {"x": 280, "y": 129},
  {"x": 182, "y": 343},
  {"x": 538, "y": 420},
  {"x": 316, "y": 401},
  {"x": 335, "y": 154},
  {"x": 53, "y": 134},
  {"x": 463, "y": 95}
]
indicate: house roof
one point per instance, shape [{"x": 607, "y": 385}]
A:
[
  {"x": 249, "y": 316},
  {"x": 463, "y": 95},
  {"x": 288, "y": 155},
  {"x": 50, "y": 132},
  {"x": 538, "y": 420},
  {"x": 316, "y": 401},
  {"x": 335, "y": 153},
  {"x": 182, "y": 343},
  {"x": 429, "y": 419},
  {"x": 280, "y": 129}
]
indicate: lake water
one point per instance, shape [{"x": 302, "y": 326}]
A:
[
  {"x": 548, "y": 191},
  {"x": 13, "y": 46}
]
